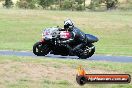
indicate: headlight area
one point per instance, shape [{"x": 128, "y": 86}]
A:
[{"x": 43, "y": 35}]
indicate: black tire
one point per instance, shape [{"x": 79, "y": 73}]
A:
[
  {"x": 89, "y": 54},
  {"x": 40, "y": 49}
]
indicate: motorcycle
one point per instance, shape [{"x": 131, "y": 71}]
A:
[{"x": 50, "y": 45}]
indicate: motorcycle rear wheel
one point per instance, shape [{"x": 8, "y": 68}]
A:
[{"x": 40, "y": 49}]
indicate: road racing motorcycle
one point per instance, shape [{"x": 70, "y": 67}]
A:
[{"x": 49, "y": 44}]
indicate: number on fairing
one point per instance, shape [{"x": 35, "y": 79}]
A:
[{"x": 65, "y": 35}]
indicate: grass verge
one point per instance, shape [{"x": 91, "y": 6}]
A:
[{"x": 28, "y": 72}]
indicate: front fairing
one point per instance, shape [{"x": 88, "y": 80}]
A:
[{"x": 91, "y": 38}]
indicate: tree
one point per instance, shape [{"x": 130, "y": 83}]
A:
[
  {"x": 84, "y": 2},
  {"x": 8, "y": 3},
  {"x": 110, "y": 4},
  {"x": 45, "y": 3},
  {"x": 60, "y": 3}
]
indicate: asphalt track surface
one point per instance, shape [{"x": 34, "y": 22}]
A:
[{"x": 94, "y": 57}]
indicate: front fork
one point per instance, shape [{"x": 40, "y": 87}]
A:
[{"x": 89, "y": 48}]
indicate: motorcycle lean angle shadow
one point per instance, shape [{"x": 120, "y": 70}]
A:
[{"x": 49, "y": 44}]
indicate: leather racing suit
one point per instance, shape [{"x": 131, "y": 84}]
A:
[{"x": 78, "y": 37}]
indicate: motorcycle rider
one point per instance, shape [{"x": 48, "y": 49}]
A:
[{"x": 77, "y": 36}]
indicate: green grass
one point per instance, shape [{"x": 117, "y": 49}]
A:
[
  {"x": 20, "y": 29},
  {"x": 27, "y": 72}
]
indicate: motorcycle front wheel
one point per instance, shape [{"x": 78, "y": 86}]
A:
[
  {"x": 88, "y": 51},
  {"x": 40, "y": 49}
]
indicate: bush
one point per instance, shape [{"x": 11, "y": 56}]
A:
[
  {"x": 26, "y": 4},
  {"x": 126, "y": 6},
  {"x": 80, "y": 7},
  {"x": 31, "y": 5},
  {"x": 73, "y": 5},
  {"x": 45, "y": 3},
  {"x": 94, "y": 4},
  {"x": 22, "y": 4},
  {"x": 79, "y": 1},
  {"x": 67, "y": 4}
]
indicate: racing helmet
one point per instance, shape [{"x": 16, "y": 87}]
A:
[{"x": 68, "y": 24}]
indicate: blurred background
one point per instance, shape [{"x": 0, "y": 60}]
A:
[
  {"x": 68, "y": 4},
  {"x": 22, "y": 21}
]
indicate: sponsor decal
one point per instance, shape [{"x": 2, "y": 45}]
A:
[{"x": 83, "y": 78}]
